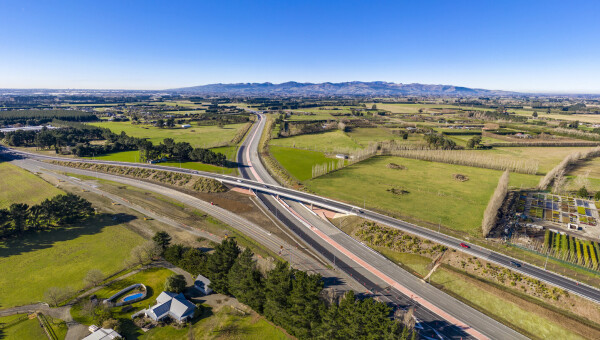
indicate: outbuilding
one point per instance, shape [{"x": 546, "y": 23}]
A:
[{"x": 202, "y": 284}]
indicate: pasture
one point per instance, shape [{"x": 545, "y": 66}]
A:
[
  {"x": 197, "y": 136},
  {"x": 424, "y": 190},
  {"x": 548, "y": 157},
  {"x": 365, "y": 136},
  {"x": 298, "y": 162},
  {"x": 21, "y": 186},
  {"x": 331, "y": 141},
  {"x": 61, "y": 258},
  {"x": 30, "y": 329}
]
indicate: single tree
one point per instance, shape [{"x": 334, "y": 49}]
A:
[
  {"x": 597, "y": 196},
  {"x": 55, "y": 295},
  {"x": 583, "y": 192},
  {"x": 219, "y": 263},
  {"x": 162, "y": 239},
  {"x": 175, "y": 283},
  {"x": 94, "y": 277},
  {"x": 19, "y": 213},
  {"x": 535, "y": 114}
]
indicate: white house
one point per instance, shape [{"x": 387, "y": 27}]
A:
[
  {"x": 102, "y": 334},
  {"x": 202, "y": 284},
  {"x": 171, "y": 305}
]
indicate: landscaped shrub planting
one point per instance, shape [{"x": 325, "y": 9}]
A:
[{"x": 167, "y": 177}]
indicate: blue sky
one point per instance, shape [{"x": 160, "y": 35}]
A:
[{"x": 549, "y": 46}]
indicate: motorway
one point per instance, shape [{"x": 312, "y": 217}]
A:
[{"x": 285, "y": 203}]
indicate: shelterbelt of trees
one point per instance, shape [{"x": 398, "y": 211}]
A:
[
  {"x": 36, "y": 117},
  {"x": 289, "y": 298},
  {"x": 57, "y": 211},
  {"x": 78, "y": 136}
]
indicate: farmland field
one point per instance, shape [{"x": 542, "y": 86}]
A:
[
  {"x": 30, "y": 328},
  {"x": 298, "y": 162},
  {"x": 72, "y": 252},
  {"x": 590, "y": 168},
  {"x": 433, "y": 193},
  {"x": 318, "y": 115},
  {"x": 548, "y": 157},
  {"x": 21, "y": 186},
  {"x": 364, "y": 136},
  {"x": 331, "y": 141},
  {"x": 197, "y": 136}
]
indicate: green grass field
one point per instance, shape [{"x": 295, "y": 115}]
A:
[
  {"x": 21, "y": 186},
  {"x": 332, "y": 141},
  {"x": 364, "y": 136},
  {"x": 502, "y": 308},
  {"x": 222, "y": 324},
  {"x": 61, "y": 258},
  {"x": 298, "y": 162},
  {"x": 197, "y": 136},
  {"x": 434, "y": 194},
  {"x": 548, "y": 157},
  {"x": 27, "y": 330},
  {"x": 318, "y": 115}
]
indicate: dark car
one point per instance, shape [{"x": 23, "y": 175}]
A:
[
  {"x": 464, "y": 245},
  {"x": 515, "y": 264}
]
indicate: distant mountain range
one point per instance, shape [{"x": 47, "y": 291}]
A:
[{"x": 354, "y": 88}]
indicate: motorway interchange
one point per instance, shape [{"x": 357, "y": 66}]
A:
[{"x": 437, "y": 314}]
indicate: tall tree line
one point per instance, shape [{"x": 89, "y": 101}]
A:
[
  {"x": 54, "y": 212},
  {"x": 288, "y": 297},
  {"x": 78, "y": 137}
]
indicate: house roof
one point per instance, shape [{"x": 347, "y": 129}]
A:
[
  {"x": 202, "y": 281},
  {"x": 175, "y": 305},
  {"x": 103, "y": 334}
]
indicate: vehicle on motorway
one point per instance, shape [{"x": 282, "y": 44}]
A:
[
  {"x": 515, "y": 264},
  {"x": 464, "y": 245},
  {"x": 238, "y": 180}
]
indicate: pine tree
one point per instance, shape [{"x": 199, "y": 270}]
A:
[
  {"x": 245, "y": 281},
  {"x": 278, "y": 286},
  {"x": 219, "y": 264}
]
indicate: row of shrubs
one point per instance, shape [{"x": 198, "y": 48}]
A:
[{"x": 201, "y": 184}]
